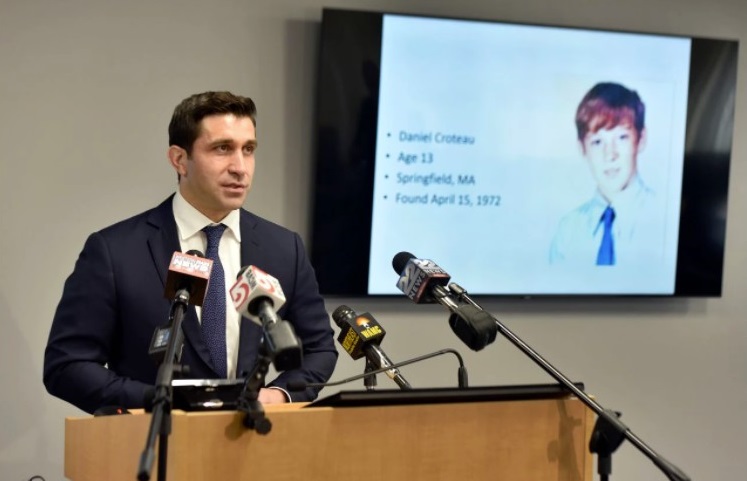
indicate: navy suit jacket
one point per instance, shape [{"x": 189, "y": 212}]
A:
[{"x": 97, "y": 352}]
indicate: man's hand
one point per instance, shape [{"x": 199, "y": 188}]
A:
[{"x": 271, "y": 396}]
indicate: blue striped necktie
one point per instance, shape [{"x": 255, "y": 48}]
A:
[
  {"x": 606, "y": 254},
  {"x": 214, "y": 305}
]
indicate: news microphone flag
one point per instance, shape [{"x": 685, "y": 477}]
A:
[
  {"x": 252, "y": 286},
  {"x": 418, "y": 277},
  {"x": 360, "y": 335},
  {"x": 356, "y": 330},
  {"x": 257, "y": 296},
  {"x": 190, "y": 272}
]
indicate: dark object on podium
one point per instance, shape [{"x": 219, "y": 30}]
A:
[
  {"x": 206, "y": 394},
  {"x": 444, "y": 395}
]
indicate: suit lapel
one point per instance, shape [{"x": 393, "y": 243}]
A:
[
  {"x": 163, "y": 242},
  {"x": 249, "y": 241},
  {"x": 249, "y": 332}
]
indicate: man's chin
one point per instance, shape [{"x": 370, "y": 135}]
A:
[
  {"x": 235, "y": 204},
  {"x": 234, "y": 201}
]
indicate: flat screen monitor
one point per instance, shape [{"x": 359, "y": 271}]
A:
[{"x": 525, "y": 160}]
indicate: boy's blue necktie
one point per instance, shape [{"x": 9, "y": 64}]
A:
[{"x": 606, "y": 254}]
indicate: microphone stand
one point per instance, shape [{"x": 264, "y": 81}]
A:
[
  {"x": 369, "y": 379},
  {"x": 160, "y": 422},
  {"x": 279, "y": 345},
  {"x": 248, "y": 402},
  {"x": 609, "y": 432}
]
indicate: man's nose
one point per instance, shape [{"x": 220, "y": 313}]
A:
[{"x": 238, "y": 164}]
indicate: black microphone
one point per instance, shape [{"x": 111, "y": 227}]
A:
[
  {"x": 360, "y": 335},
  {"x": 424, "y": 281},
  {"x": 186, "y": 283},
  {"x": 462, "y": 373}
]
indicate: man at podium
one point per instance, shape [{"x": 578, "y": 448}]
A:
[{"x": 97, "y": 352}]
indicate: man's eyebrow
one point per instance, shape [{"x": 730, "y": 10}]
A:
[{"x": 221, "y": 141}]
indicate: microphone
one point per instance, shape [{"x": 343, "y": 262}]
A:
[
  {"x": 257, "y": 296},
  {"x": 186, "y": 281},
  {"x": 190, "y": 272},
  {"x": 423, "y": 281},
  {"x": 462, "y": 373},
  {"x": 360, "y": 335}
]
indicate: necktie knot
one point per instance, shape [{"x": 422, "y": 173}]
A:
[
  {"x": 608, "y": 216},
  {"x": 213, "y": 233}
]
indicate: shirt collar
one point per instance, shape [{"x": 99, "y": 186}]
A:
[
  {"x": 628, "y": 199},
  {"x": 190, "y": 221}
]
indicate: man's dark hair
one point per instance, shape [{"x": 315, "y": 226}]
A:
[
  {"x": 608, "y": 105},
  {"x": 184, "y": 127}
]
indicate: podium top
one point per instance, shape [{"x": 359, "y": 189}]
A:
[{"x": 386, "y": 397}]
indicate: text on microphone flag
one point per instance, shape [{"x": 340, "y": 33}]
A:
[
  {"x": 259, "y": 279},
  {"x": 191, "y": 265},
  {"x": 417, "y": 275}
]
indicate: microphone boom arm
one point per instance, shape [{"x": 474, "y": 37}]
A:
[
  {"x": 463, "y": 378},
  {"x": 609, "y": 431}
]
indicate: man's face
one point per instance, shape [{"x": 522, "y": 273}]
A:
[
  {"x": 217, "y": 176},
  {"x": 612, "y": 156}
]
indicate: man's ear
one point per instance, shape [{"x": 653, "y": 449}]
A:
[{"x": 178, "y": 159}]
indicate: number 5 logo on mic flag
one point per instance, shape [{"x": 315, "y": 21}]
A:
[
  {"x": 252, "y": 285},
  {"x": 240, "y": 293}
]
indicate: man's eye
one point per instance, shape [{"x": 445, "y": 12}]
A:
[
  {"x": 249, "y": 149},
  {"x": 222, "y": 148}
]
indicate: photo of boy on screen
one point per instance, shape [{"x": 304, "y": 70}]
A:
[{"x": 616, "y": 223}]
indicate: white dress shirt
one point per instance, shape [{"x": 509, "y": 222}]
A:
[{"x": 189, "y": 225}]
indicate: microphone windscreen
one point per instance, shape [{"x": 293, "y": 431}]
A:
[
  {"x": 342, "y": 314},
  {"x": 400, "y": 261}
]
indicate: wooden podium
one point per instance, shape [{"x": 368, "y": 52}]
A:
[{"x": 516, "y": 440}]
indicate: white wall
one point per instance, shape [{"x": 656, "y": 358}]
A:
[{"x": 86, "y": 91}]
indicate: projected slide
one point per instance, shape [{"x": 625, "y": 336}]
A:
[{"x": 529, "y": 159}]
